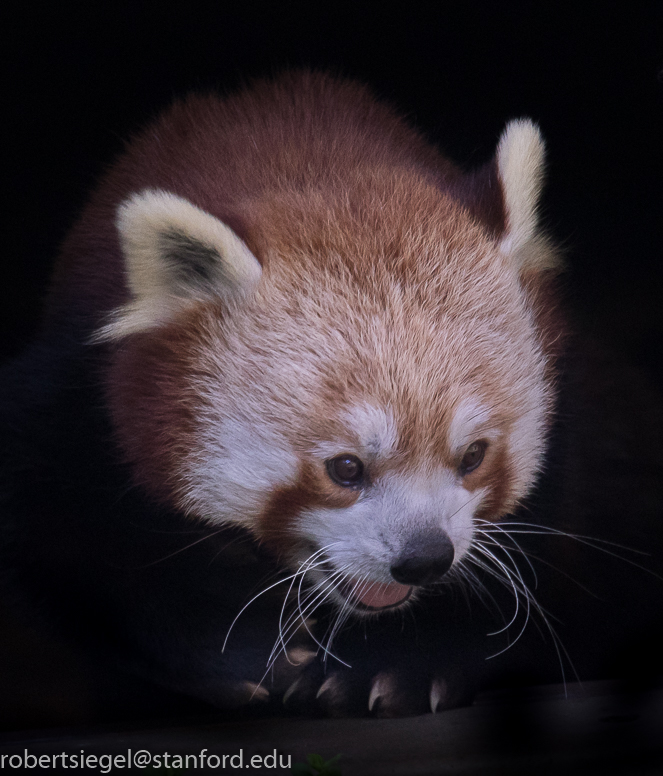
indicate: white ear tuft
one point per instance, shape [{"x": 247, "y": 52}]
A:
[
  {"x": 520, "y": 164},
  {"x": 175, "y": 253}
]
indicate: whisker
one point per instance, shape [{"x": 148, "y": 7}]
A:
[
  {"x": 468, "y": 576},
  {"x": 509, "y": 575},
  {"x": 183, "y": 549},
  {"x": 542, "y": 530},
  {"x": 330, "y": 580},
  {"x": 262, "y": 592},
  {"x": 313, "y": 597},
  {"x": 303, "y": 569},
  {"x": 291, "y": 625},
  {"x": 506, "y": 533},
  {"x": 487, "y": 553},
  {"x": 345, "y": 611}
]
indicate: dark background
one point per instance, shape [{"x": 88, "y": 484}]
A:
[{"x": 81, "y": 77}]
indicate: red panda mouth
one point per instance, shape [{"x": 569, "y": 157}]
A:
[{"x": 374, "y": 596}]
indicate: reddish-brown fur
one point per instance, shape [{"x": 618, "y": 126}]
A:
[
  {"x": 209, "y": 152},
  {"x": 328, "y": 188}
]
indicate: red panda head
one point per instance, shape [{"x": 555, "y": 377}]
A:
[{"x": 360, "y": 388}]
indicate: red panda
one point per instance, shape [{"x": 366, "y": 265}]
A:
[{"x": 300, "y": 367}]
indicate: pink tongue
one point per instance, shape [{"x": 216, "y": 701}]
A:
[{"x": 379, "y": 595}]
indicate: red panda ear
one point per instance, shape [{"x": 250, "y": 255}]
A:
[
  {"x": 520, "y": 167},
  {"x": 175, "y": 253}
]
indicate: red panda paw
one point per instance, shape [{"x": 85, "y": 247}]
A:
[{"x": 391, "y": 692}]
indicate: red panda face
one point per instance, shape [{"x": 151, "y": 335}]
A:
[
  {"x": 361, "y": 382},
  {"x": 359, "y": 422}
]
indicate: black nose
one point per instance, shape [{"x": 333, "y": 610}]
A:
[{"x": 424, "y": 560}]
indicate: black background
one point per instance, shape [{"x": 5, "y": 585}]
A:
[{"x": 81, "y": 77}]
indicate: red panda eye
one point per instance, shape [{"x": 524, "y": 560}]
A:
[
  {"x": 472, "y": 457},
  {"x": 346, "y": 470}
]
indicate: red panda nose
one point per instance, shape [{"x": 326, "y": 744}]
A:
[{"x": 424, "y": 560}]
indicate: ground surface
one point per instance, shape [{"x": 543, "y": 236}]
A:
[{"x": 596, "y": 729}]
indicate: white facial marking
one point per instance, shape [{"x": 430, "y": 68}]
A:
[
  {"x": 527, "y": 442},
  {"x": 371, "y": 433},
  {"x": 375, "y": 427},
  {"x": 234, "y": 471},
  {"x": 470, "y": 422}
]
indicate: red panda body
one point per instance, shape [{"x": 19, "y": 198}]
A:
[{"x": 322, "y": 364}]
